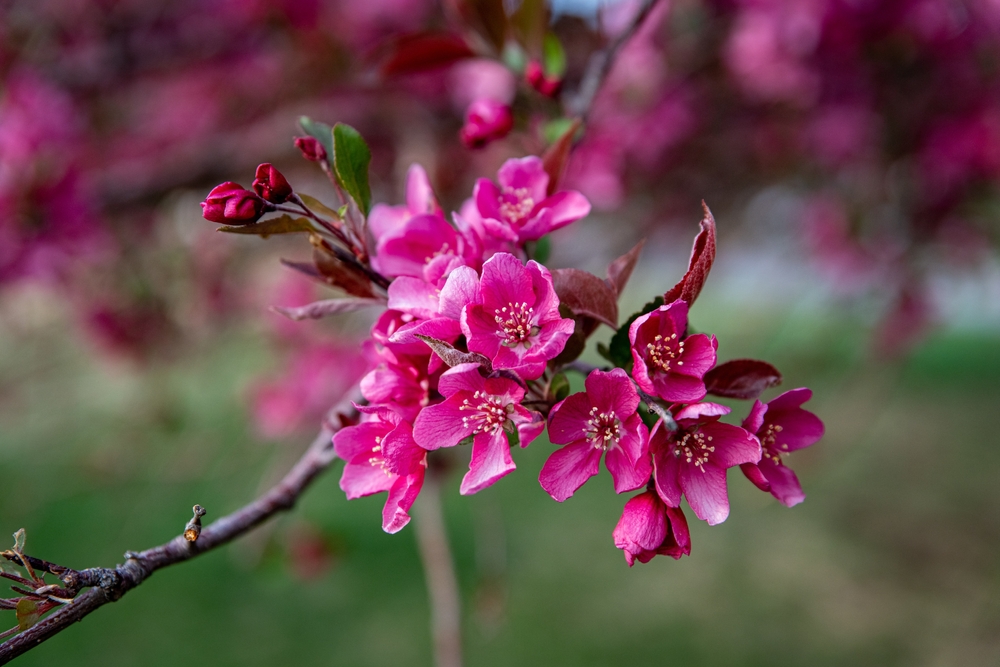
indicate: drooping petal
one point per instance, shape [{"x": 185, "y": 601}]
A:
[
  {"x": 568, "y": 468},
  {"x": 363, "y": 479},
  {"x": 402, "y": 455},
  {"x": 402, "y": 494},
  {"x": 628, "y": 475},
  {"x": 755, "y": 418},
  {"x": 756, "y": 477},
  {"x": 784, "y": 482},
  {"x": 705, "y": 490},
  {"x": 666, "y": 468},
  {"x": 491, "y": 460},
  {"x": 643, "y": 524},
  {"x": 528, "y": 430},
  {"x": 733, "y": 445},
  {"x": 679, "y": 541}
]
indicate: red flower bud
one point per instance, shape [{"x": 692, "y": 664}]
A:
[
  {"x": 485, "y": 121},
  {"x": 270, "y": 184},
  {"x": 230, "y": 203},
  {"x": 311, "y": 149},
  {"x": 536, "y": 78}
]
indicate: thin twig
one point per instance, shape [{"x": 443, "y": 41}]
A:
[
  {"x": 109, "y": 584},
  {"x": 579, "y": 104},
  {"x": 439, "y": 571}
]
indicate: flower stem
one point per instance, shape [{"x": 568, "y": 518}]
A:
[{"x": 439, "y": 571}]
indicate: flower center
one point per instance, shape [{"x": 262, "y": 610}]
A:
[
  {"x": 664, "y": 351},
  {"x": 694, "y": 449},
  {"x": 769, "y": 444},
  {"x": 377, "y": 460},
  {"x": 514, "y": 321},
  {"x": 603, "y": 429},
  {"x": 516, "y": 204},
  {"x": 445, "y": 249},
  {"x": 489, "y": 414}
]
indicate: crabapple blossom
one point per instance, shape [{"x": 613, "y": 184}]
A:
[
  {"x": 232, "y": 204},
  {"x": 311, "y": 149},
  {"x": 693, "y": 459},
  {"x": 649, "y": 528},
  {"x": 668, "y": 363},
  {"x": 271, "y": 185},
  {"x": 516, "y": 322},
  {"x": 519, "y": 209},
  {"x": 380, "y": 455},
  {"x": 486, "y": 120},
  {"x": 782, "y": 426},
  {"x": 487, "y": 409},
  {"x": 601, "y": 419}
]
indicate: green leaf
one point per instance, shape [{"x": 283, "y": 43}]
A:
[
  {"x": 318, "y": 207},
  {"x": 351, "y": 158},
  {"x": 19, "y": 539},
  {"x": 27, "y": 614},
  {"x": 321, "y": 132},
  {"x": 554, "y": 130},
  {"x": 559, "y": 387},
  {"x": 553, "y": 56},
  {"x": 619, "y": 352},
  {"x": 286, "y": 224}
]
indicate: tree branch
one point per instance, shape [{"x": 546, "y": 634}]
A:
[
  {"x": 109, "y": 584},
  {"x": 579, "y": 104}
]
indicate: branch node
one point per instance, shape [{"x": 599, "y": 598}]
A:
[{"x": 193, "y": 528}]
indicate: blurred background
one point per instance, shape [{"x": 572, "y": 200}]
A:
[{"x": 849, "y": 150}]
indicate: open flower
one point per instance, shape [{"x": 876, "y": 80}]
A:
[
  {"x": 693, "y": 459},
  {"x": 602, "y": 419},
  {"x": 782, "y": 426},
  {"x": 668, "y": 363},
  {"x": 487, "y": 409},
  {"x": 380, "y": 455},
  {"x": 519, "y": 209},
  {"x": 649, "y": 528},
  {"x": 517, "y": 322}
]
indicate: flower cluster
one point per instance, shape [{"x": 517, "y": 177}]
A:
[{"x": 473, "y": 349}]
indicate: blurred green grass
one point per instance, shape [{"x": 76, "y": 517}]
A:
[{"x": 892, "y": 560}]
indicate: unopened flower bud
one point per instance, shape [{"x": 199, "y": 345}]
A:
[
  {"x": 485, "y": 121},
  {"x": 535, "y": 75},
  {"x": 232, "y": 204},
  {"x": 271, "y": 185},
  {"x": 311, "y": 149}
]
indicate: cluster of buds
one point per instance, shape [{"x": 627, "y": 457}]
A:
[{"x": 477, "y": 338}]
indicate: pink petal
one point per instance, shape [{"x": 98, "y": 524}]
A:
[
  {"x": 460, "y": 289},
  {"x": 441, "y": 425},
  {"x": 568, "y": 468},
  {"x": 353, "y": 441},
  {"x": 643, "y": 524},
  {"x": 675, "y": 318},
  {"x": 490, "y": 461},
  {"x": 527, "y": 172},
  {"x": 666, "y": 468},
  {"x": 395, "y": 513},
  {"x": 505, "y": 281},
  {"x": 414, "y": 296},
  {"x": 756, "y": 477},
  {"x": 733, "y": 445},
  {"x": 612, "y": 391},
  {"x": 529, "y": 430},
  {"x": 559, "y": 210},
  {"x": 698, "y": 411},
  {"x": 755, "y": 419},
  {"x": 384, "y": 220},
  {"x": 784, "y": 483},
  {"x": 699, "y": 355},
  {"x": 480, "y": 330},
  {"x": 793, "y": 398},
  {"x": 706, "y": 492},
  {"x": 402, "y": 455},
  {"x": 487, "y": 197},
  {"x": 462, "y": 377},
  {"x": 441, "y": 328},
  {"x": 364, "y": 479},
  {"x": 419, "y": 194},
  {"x": 629, "y": 463},
  {"x": 677, "y": 388},
  {"x": 568, "y": 419}
]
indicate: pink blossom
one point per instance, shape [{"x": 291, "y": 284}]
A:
[
  {"x": 649, "y": 528},
  {"x": 438, "y": 309},
  {"x": 602, "y": 419},
  {"x": 668, "y": 363},
  {"x": 516, "y": 322},
  {"x": 519, "y": 209},
  {"x": 484, "y": 408},
  {"x": 485, "y": 121},
  {"x": 232, "y": 204},
  {"x": 270, "y": 184},
  {"x": 782, "y": 426},
  {"x": 380, "y": 455},
  {"x": 693, "y": 460},
  {"x": 536, "y": 77},
  {"x": 420, "y": 200}
]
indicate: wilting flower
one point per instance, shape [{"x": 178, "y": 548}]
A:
[
  {"x": 232, "y": 204},
  {"x": 782, "y": 426},
  {"x": 487, "y": 409},
  {"x": 693, "y": 459},
  {"x": 649, "y": 528},
  {"x": 602, "y": 419},
  {"x": 380, "y": 455},
  {"x": 668, "y": 363},
  {"x": 520, "y": 210},
  {"x": 517, "y": 322},
  {"x": 486, "y": 120},
  {"x": 270, "y": 184}
]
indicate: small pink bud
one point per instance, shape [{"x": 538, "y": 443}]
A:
[
  {"x": 270, "y": 184},
  {"x": 485, "y": 121},
  {"x": 535, "y": 75},
  {"x": 311, "y": 149},
  {"x": 231, "y": 203}
]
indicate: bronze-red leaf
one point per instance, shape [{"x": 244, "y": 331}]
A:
[
  {"x": 742, "y": 378},
  {"x": 702, "y": 257}
]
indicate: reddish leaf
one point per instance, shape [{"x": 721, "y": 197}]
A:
[
  {"x": 585, "y": 294},
  {"x": 702, "y": 256},
  {"x": 339, "y": 273},
  {"x": 318, "y": 309},
  {"x": 742, "y": 378},
  {"x": 425, "y": 51},
  {"x": 556, "y": 156},
  {"x": 488, "y": 18},
  {"x": 453, "y": 357},
  {"x": 620, "y": 270}
]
